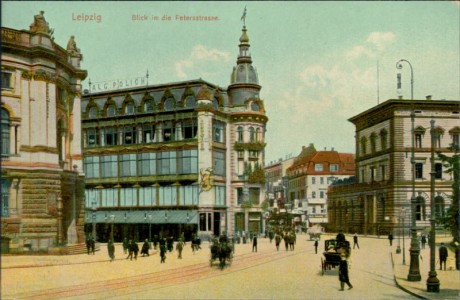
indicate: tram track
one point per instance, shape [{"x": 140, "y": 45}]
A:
[{"x": 104, "y": 289}]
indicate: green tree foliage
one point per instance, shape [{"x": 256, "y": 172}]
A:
[{"x": 452, "y": 163}]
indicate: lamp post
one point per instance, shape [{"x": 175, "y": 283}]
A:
[
  {"x": 432, "y": 283},
  {"x": 414, "y": 269},
  {"x": 402, "y": 215},
  {"x": 93, "y": 209}
]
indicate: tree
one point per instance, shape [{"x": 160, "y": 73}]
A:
[{"x": 452, "y": 163}]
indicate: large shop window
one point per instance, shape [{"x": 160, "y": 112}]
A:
[
  {"x": 91, "y": 165},
  {"x": 92, "y": 198},
  {"x": 128, "y": 165},
  {"x": 5, "y": 192},
  {"x": 147, "y": 163},
  {"x": 219, "y": 162},
  {"x": 147, "y": 196},
  {"x": 167, "y": 162},
  {"x": 128, "y": 197},
  {"x": 5, "y": 131},
  {"x": 109, "y": 166},
  {"x": 189, "y": 129},
  {"x": 168, "y": 196},
  {"x": 219, "y": 195},
  {"x": 109, "y": 197},
  {"x": 188, "y": 161},
  {"x": 188, "y": 195}
]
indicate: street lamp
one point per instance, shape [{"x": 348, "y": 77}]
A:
[
  {"x": 432, "y": 283},
  {"x": 93, "y": 208},
  {"x": 414, "y": 269},
  {"x": 401, "y": 220}
]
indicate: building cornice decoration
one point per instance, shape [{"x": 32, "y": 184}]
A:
[
  {"x": 252, "y": 146},
  {"x": 249, "y": 117},
  {"x": 34, "y": 149}
]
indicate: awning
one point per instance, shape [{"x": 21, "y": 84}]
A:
[{"x": 142, "y": 216}]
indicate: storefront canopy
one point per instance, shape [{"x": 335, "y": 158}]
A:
[{"x": 142, "y": 216}]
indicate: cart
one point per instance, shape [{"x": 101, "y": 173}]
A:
[{"x": 333, "y": 251}]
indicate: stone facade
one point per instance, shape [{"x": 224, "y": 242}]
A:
[
  {"x": 42, "y": 169},
  {"x": 380, "y": 197}
]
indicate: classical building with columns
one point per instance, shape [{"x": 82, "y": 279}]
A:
[
  {"x": 42, "y": 179},
  {"x": 177, "y": 158},
  {"x": 379, "y": 199}
]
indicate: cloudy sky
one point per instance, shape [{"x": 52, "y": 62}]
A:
[{"x": 319, "y": 63}]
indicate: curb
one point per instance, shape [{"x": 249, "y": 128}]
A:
[{"x": 399, "y": 285}]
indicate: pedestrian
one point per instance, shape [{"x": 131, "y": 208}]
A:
[
  {"x": 355, "y": 241},
  {"x": 170, "y": 243},
  {"x": 277, "y": 241},
  {"x": 340, "y": 237},
  {"x": 443, "y": 254},
  {"x": 179, "y": 247},
  {"x": 111, "y": 250},
  {"x": 423, "y": 240},
  {"x": 135, "y": 249},
  {"x": 316, "y": 246},
  {"x": 254, "y": 243},
  {"x": 286, "y": 241},
  {"x": 88, "y": 244},
  {"x": 92, "y": 246},
  {"x": 130, "y": 250},
  {"x": 145, "y": 248},
  {"x": 125, "y": 245},
  {"x": 390, "y": 238},
  {"x": 163, "y": 252},
  {"x": 343, "y": 273}
]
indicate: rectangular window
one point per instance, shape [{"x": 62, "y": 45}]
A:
[
  {"x": 219, "y": 162},
  {"x": 318, "y": 167},
  {"x": 333, "y": 167},
  {"x": 313, "y": 194},
  {"x": 437, "y": 141},
  {"x": 219, "y": 129},
  {"x": 202, "y": 221},
  {"x": 109, "y": 166},
  {"x": 321, "y": 180},
  {"x": 456, "y": 140},
  {"x": 254, "y": 196},
  {"x": 321, "y": 194},
  {"x": 147, "y": 163},
  {"x": 166, "y": 162},
  {"x": 92, "y": 198},
  {"x": 129, "y": 135},
  {"x": 5, "y": 192},
  {"x": 418, "y": 170},
  {"x": 128, "y": 197},
  {"x": 148, "y": 133},
  {"x": 219, "y": 195},
  {"x": 169, "y": 132},
  {"x": 168, "y": 196},
  {"x": 6, "y": 80},
  {"x": 313, "y": 180},
  {"x": 240, "y": 154},
  {"x": 92, "y": 137},
  {"x": 418, "y": 140},
  {"x": 128, "y": 165},
  {"x": 372, "y": 169},
  {"x": 188, "y": 161},
  {"x": 382, "y": 173},
  {"x": 240, "y": 195},
  {"x": 147, "y": 196},
  {"x": 109, "y": 197},
  {"x": 91, "y": 166},
  {"x": 188, "y": 195},
  {"x": 253, "y": 154},
  {"x": 189, "y": 129},
  {"x": 111, "y": 136},
  {"x": 438, "y": 170}
]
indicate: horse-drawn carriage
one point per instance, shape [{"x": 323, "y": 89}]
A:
[
  {"x": 333, "y": 250},
  {"x": 223, "y": 251}
]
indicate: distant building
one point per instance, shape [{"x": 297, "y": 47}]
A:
[
  {"x": 182, "y": 157},
  {"x": 308, "y": 179},
  {"x": 381, "y": 193},
  {"x": 276, "y": 182},
  {"x": 42, "y": 186}
]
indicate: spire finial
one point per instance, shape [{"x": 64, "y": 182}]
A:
[{"x": 243, "y": 17}]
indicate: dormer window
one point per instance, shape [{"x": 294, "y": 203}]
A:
[
  {"x": 255, "y": 106},
  {"x": 92, "y": 112},
  {"x": 111, "y": 111},
  {"x": 190, "y": 102},
  {"x": 169, "y": 104},
  {"x": 129, "y": 109}
]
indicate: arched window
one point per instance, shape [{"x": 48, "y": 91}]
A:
[
  {"x": 363, "y": 145},
  {"x": 111, "y": 110},
  {"x": 455, "y": 135},
  {"x": 190, "y": 102},
  {"x": 239, "y": 131},
  {"x": 92, "y": 112},
  {"x": 149, "y": 105},
  {"x": 258, "y": 135},
  {"x": 5, "y": 132},
  {"x": 252, "y": 134},
  {"x": 169, "y": 104},
  {"x": 373, "y": 139},
  {"x": 129, "y": 109},
  {"x": 383, "y": 139}
]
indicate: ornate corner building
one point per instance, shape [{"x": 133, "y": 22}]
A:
[
  {"x": 42, "y": 179},
  {"x": 177, "y": 158},
  {"x": 379, "y": 201}
]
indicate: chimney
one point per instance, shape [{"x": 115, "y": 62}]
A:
[{"x": 428, "y": 97}]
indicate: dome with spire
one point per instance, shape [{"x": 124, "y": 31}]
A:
[{"x": 244, "y": 72}]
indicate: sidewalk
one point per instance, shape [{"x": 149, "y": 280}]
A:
[{"x": 449, "y": 280}]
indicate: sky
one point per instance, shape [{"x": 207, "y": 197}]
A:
[{"x": 319, "y": 63}]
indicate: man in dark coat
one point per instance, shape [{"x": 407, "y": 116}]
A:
[
  {"x": 423, "y": 240},
  {"x": 343, "y": 273},
  {"x": 135, "y": 248},
  {"x": 355, "y": 241},
  {"x": 111, "y": 250},
  {"x": 254, "y": 243},
  {"x": 277, "y": 241},
  {"x": 443, "y": 254},
  {"x": 92, "y": 245},
  {"x": 130, "y": 250},
  {"x": 163, "y": 252},
  {"x": 316, "y": 246},
  {"x": 145, "y": 248},
  {"x": 88, "y": 244},
  {"x": 390, "y": 238},
  {"x": 125, "y": 245}
]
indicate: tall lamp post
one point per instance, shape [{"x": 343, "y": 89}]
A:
[
  {"x": 414, "y": 269},
  {"x": 93, "y": 209},
  {"x": 432, "y": 283},
  {"x": 403, "y": 214}
]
